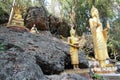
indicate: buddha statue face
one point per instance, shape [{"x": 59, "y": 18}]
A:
[
  {"x": 94, "y": 12},
  {"x": 72, "y": 32}
]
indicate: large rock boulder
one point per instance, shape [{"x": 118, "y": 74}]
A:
[
  {"x": 51, "y": 54},
  {"x": 37, "y": 16},
  {"x": 58, "y": 26},
  {"x": 66, "y": 76},
  {"x": 17, "y": 65}
]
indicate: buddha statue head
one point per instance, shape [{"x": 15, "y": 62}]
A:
[
  {"x": 94, "y": 12},
  {"x": 72, "y": 31},
  {"x": 17, "y": 8},
  {"x": 17, "y": 11}
]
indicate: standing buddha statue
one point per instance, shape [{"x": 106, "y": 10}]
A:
[
  {"x": 73, "y": 41},
  {"x": 99, "y": 37}
]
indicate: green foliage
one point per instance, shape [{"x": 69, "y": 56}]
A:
[
  {"x": 6, "y": 5},
  {"x": 97, "y": 77},
  {"x": 118, "y": 1},
  {"x": 3, "y": 15},
  {"x": 2, "y": 47},
  {"x": 82, "y": 10},
  {"x": 2, "y": 12},
  {"x": 114, "y": 39}
]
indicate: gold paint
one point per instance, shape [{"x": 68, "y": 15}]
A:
[
  {"x": 99, "y": 37},
  {"x": 17, "y": 19},
  {"x": 74, "y": 48}
]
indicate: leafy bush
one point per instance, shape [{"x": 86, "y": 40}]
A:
[
  {"x": 95, "y": 76},
  {"x": 114, "y": 39}
]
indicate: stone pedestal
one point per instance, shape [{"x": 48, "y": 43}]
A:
[
  {"x": 105, "y": 70},
  {"x": 17, "y": 22},
  {"x": 18, "y": 25},
  {"x": 95, "y": 68},
  {"x": 112, "y": 76}
]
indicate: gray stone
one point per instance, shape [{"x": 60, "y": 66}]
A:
[
  {"x": 15, "y": 65},
  {"x": 51, "y": 54},
  {"x": 65, "y": 76}
]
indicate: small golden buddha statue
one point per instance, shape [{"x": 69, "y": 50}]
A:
[
  {"x": 99, "y": 37},
  {"x": 34, "y": 29},
  {"x": 74, "y": 48}
]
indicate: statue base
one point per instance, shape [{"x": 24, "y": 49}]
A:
[
  {"x": 105, "y": 70},
  {"x": 18, "y": 28},
  {"x": 17, "y": 25}
]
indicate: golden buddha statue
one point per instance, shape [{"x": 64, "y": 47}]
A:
[
  {"x": 99, "y": 37},
  {"x": 34, "y": 30},
  {"x": 16, "y": 19},
  {"x": 74, "y": 48},
  {"x": 17, "y": 12}
]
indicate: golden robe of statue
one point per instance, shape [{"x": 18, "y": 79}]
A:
[
  {"x": 99, "y": 37},
  {"x": 74, "y": 48}
]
